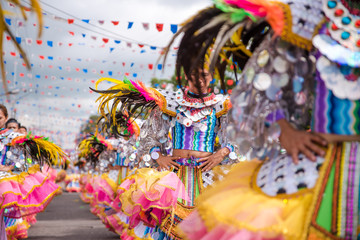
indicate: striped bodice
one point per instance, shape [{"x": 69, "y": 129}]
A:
[{"x": 190, "y": 138}]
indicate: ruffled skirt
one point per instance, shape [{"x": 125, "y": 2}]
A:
[
  {"x": 26, "y": 193},
  {"x": 280, "y": 200}
]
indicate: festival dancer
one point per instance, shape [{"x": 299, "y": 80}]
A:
[
  {"x": 90, "y": 150},
  {"x": 25, "y": 190},
  {"x": 153, "y": 202},
  {"x": 293, "y": 54}
]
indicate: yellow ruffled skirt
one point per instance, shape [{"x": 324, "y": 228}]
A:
[{"x": 236, "y": 208}]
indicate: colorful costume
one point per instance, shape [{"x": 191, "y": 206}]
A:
[
  {"x": 25, "y": 191},
  {"x": 280, "y": 46},
  {"x": 152, "y": 202}
]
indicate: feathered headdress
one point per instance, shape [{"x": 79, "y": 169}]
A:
[
  {"x": 121, "y": 104},
  {"x": 91, "y": 148},
  {"x": 228, "y": 32},
  {"x": 40, "y": 150}
]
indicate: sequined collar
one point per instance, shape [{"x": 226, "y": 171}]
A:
[{"x": 184, "y": 100}]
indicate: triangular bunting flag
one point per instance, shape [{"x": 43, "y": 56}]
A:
[
  {"x": 173, "y": 28},
  {"x": 159, "y": 26},
  {"x": 130, "y": 25},
  {"x": 146, "y": 26}
]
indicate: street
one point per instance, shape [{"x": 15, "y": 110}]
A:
[{"x": 67, "y": 217}]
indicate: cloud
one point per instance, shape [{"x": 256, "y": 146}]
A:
[{"x": 54, "y": 102}]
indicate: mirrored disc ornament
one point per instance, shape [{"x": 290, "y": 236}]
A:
[
  {"x": 8, "y": 154},
  {"x": 231, "y": 132},
  {"x": 146, "y": 158},
  {"x": 301, "y": 67},
  {"x": 273, "y": 93},
  {"x": 244, "y": 147},
  {"x": 163, "y": 139},
  {"x": 291, "y": 54},
  {"x": 280, "y": 80},
  {"x": 274, "y": 131},
  {"x": 300, "y": 98},
  {"x": 132, "y": 157},
  {"x": 18, "y": 165},
  {"x": 297, "y": 83},
  {"x": 262, "y": 81},
  {"x": 165, "y": 117},
  {"x": 232, "y": 156},
  {"x": 263, "y": 58},
  {"x": 249, "y": 75},
  {"x": 280, "y": 65},
  {"x": 282, "y": 46},
  {"x": 143, "y": 133}
]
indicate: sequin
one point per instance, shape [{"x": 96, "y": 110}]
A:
[
  {"x": 280, "y": 65},
  {"x": 345, "y": 35},
  {"x": 300, "y": 98},
  {"x": 297, "y": 83},
  {"x": 262, "y": 81},
  {"x": 331, "y": 4},
  {"x": 249, "y": 75},
  {"x": 346, "y": 20},
  {"x": 263, "y": 58},
  {"x": 280, "y": 80}
]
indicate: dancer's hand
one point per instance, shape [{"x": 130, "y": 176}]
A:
[
  {"x": 213, "y": 160},
  {"x": 296, "y": 142},
  {"x": 166, "y": 162}
]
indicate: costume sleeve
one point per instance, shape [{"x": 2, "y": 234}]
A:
[
  {"x": 224, "y": 141},
  {"x": 154, "y": 137}
]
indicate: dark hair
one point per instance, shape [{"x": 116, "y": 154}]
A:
[
  {"x": 21, "y": 126},
  {"x": 12, "y": 120},
  {"x": 4, "y": 110}
]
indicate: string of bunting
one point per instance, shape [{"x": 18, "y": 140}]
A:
[{"x": 173, "y": 28}]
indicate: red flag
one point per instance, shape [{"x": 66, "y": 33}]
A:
[
  {"x": 8, "y": 38},
  {"x": 115, "y": 22},
  {"x": 150, "y": 66},
  {"x": 41, "y": 57},
  {"x": 13, "y": 54},
  {"x": 159, "y": 26},
  {"x": 72, "y": 33},
  {"x": 70, "y": 21},
  {"x": 39, "y": 42},
  {"x": 146, "y": 26},
  {"x": 105, "y": 40},
  {"x": 141, "y": 45}
]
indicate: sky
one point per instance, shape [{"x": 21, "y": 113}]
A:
[{"x": 90, "y": 39}]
